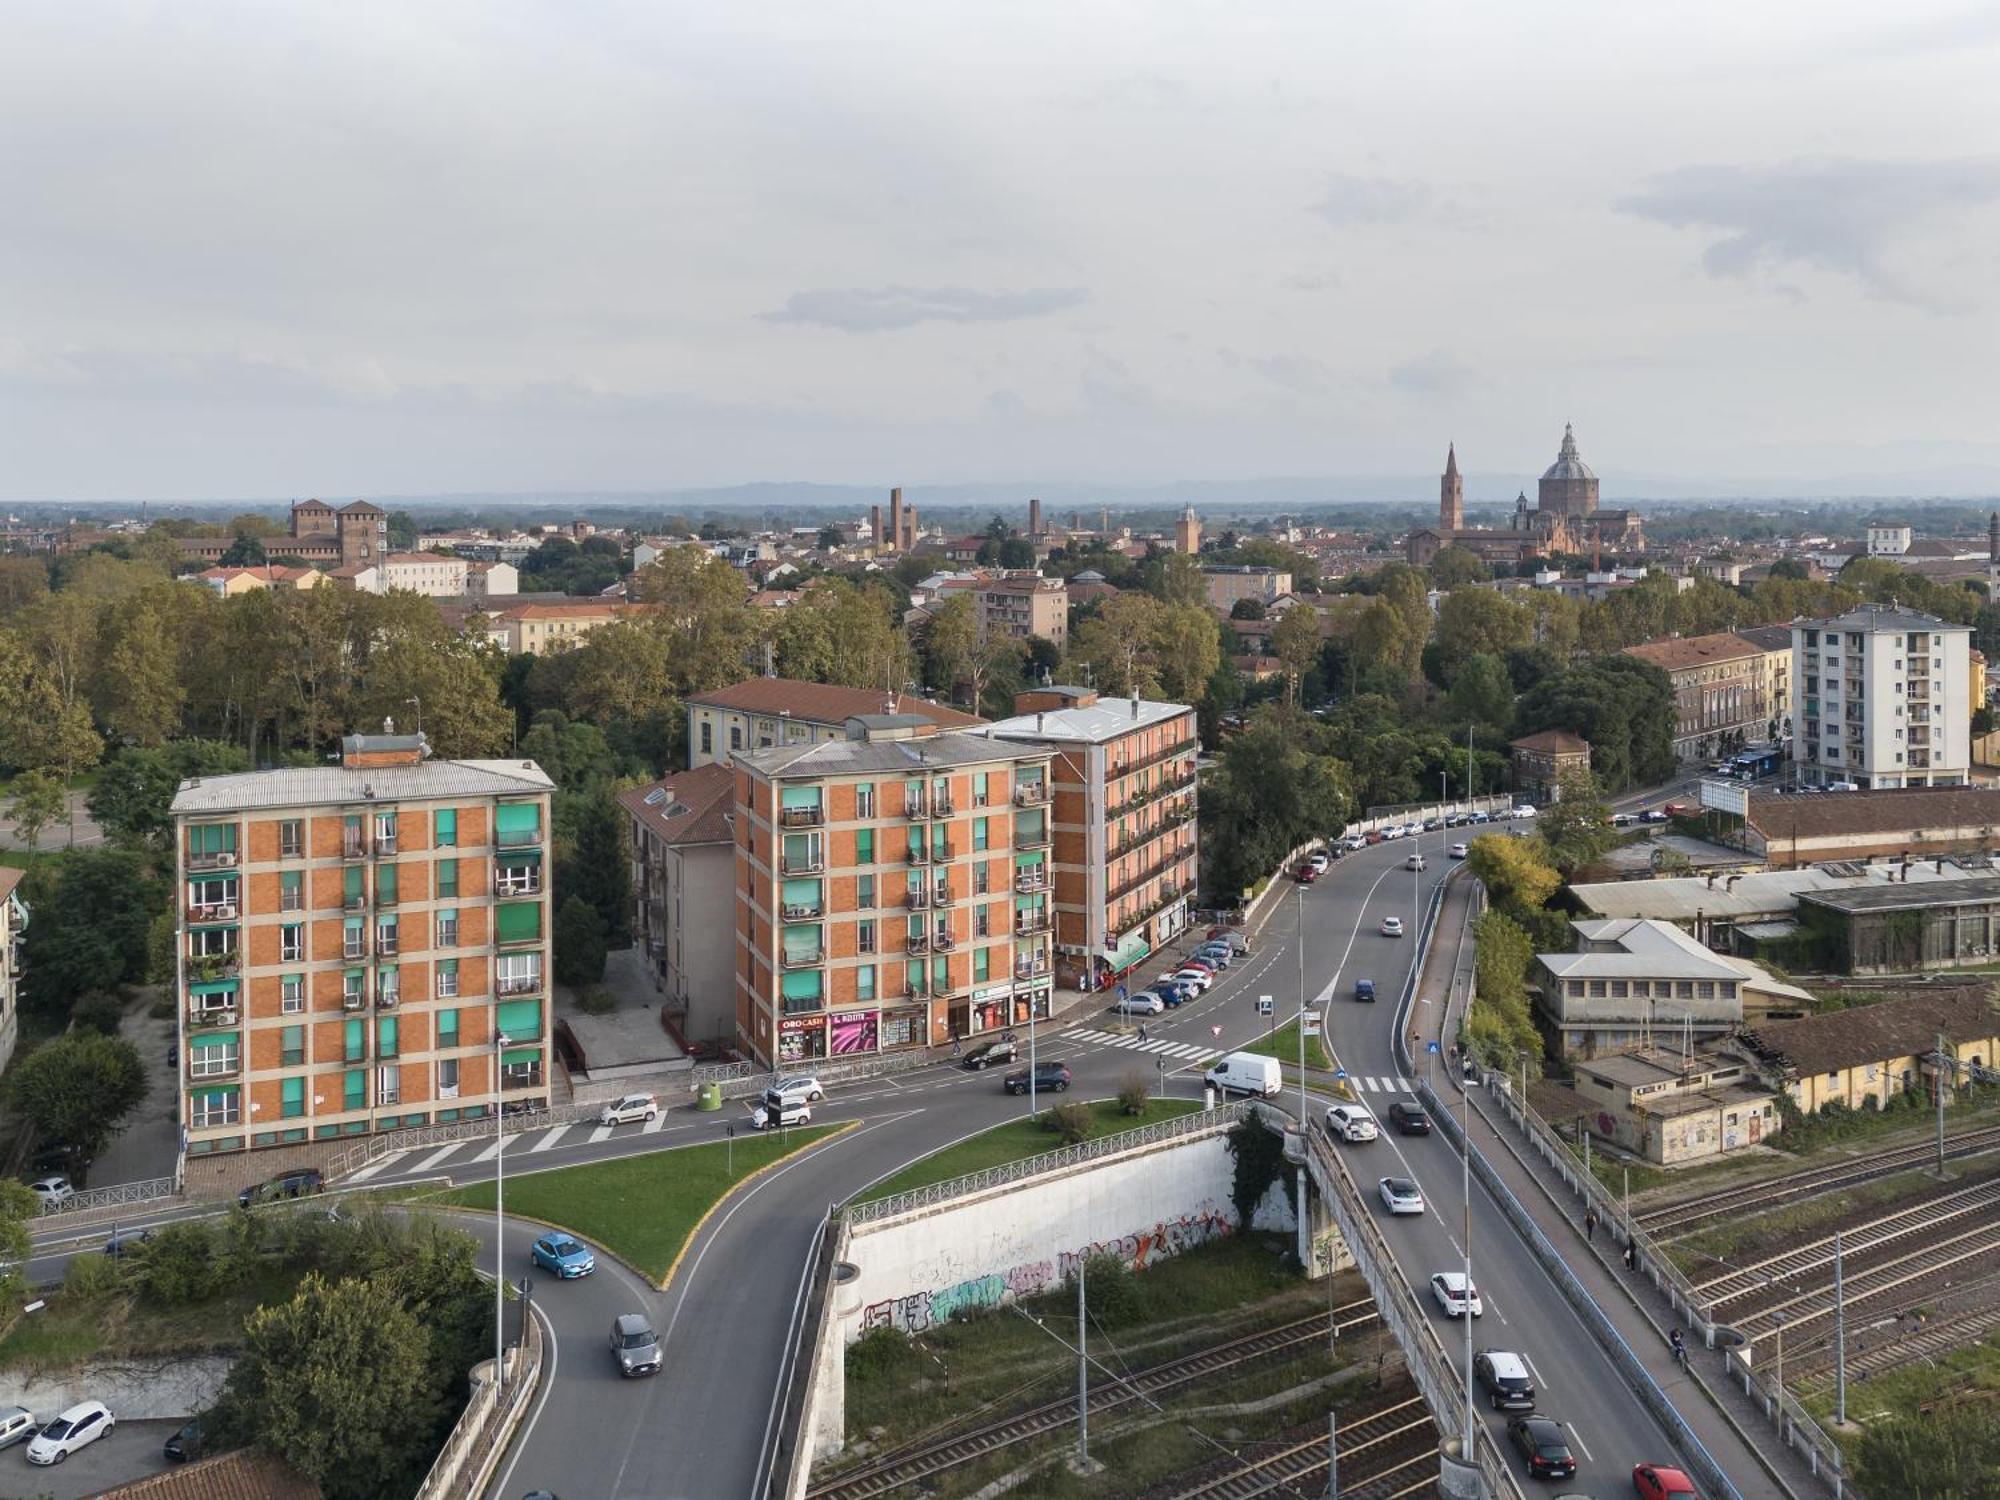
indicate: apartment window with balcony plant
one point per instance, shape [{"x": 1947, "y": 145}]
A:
[
  {"x": 447, "y": 929},
  {"x": 445, "y": 825},
  {"x": 447, "y": 978},
  {"x": 292, "y": 994},
  {"x": 212, "y": 942},
  {"x": 291, "y": 943},
  {"x": 292, "y": 890},
  {"x": 292, "y": 1098},
  {"x": 518, "y": 973},
  {"x": 291, "y": 838},
  {"x": 447, "y": 880},
  {"x": 292, "y": 1047},
  {"x": 212, "y": 900}
]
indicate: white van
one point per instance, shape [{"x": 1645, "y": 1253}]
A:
[
  {"x": 1246, "y": 1073},
  {"x": 1414, "y": 862}
]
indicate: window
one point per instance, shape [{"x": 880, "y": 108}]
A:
[
  {"x": 215, "y": 1055},
  {"x": 291, "y": 838},
  {"x": 388, "y": 1085},
  {"x": 292, "y": 1047},
  {"x": 980, "y": 961},
  {"x": 353, "y": 938},
  {"x": 353, "y": 989},
  {"x": 388, "y": 986},
  {"x": 1705, "y": 990},
  {"x": 385, "y": 1036},
  {"x": 211, "y": 942},
  {"x": 385, "y": 832},
  {"x": 351, "y": 841},
  {"x": 1597, "y": 989},
  {"x": 864, "y": 801},
  {"x": 864, "y": 982},
  {"x": 447, "y": 1025},
  {"x": 982, "y": 922},
  {"x": 352, "y": 894},
  {"x": 292, "y": 890},
  {"x": 447, "y": 880},
  {"x": 519, "y": 973},
  {"x": 447, "y": 978},
  {"x": 447, "y": 1078},
  {"x": 864, "y": 892},
  {"x": 519, "y": 875},
  {"x": 1618, "y": 989},
  {"x": 354, "y": 1041},
  {"x": 291, "y": 943},
  {"x": 979, "y": 832},
  {"x": 864, "y": 846},
  {"x": 210, "y": 841},
  {"x": 292, "y": 994},
  {"x": 447, "y": 929},
  {"x": 206, "y": 896},
  {"x": 1684, "y": 989},
  {"x": 707, "y": 738},
  {"x": 736, "y": 736},
  {"x": 518, "y": 923},
  {"x": 981, "y": 881},
  {"x": 446, "y": 822},
  {"x": 385, "y": 885},
  {"x": 385, "y": 934},
  {"x": 864, "y": 937},
  {"x": 979, "y": 789},
  {"x": 292, "y": 1098},
  {"x": 354, "y": 1089},
  {"x": 215, "y": 1107}
]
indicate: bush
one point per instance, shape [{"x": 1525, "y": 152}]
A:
[
  {"x": 1110, "y": 1290},
  {"x": 596, "y": 1000},
  {"x": 91, "y": 1276},
  {"x": 99, "y": 1011},
  {"x": 180, "y": 1266},
  {"x": 1134, "y": 1094},
  {"x": 1073, "y": 1121},
  {"x": 162, "y": 1009},
  {"x": 880, "y": 1352}
]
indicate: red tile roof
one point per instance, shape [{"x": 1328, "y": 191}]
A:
[
  {"x": 825, "y": 703},
  {"x": 1554, "y": 741},
  {"x": 243, "y": 1475},
  {"x": 1694, "y": 651},
  {"x": 695, "y": 806}
]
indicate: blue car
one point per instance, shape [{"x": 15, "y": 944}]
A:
[
  {"x": 1174, "y": 994},
  {"x": 565, "y": 1256}
]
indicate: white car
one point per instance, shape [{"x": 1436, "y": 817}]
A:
[
  {"x": 1393, "y": 831},
  {"x": 1523, "y": 811},
  {"x": 1392, "y": 927},
  {"x": 1141, "y": 1004},
  {"x": 1201, "y": 979},
  {"x": 78, "y": 1427},
  {"x": 1321, "y": 861},
  {"x": 1354, "y": 843},
  {"x": 799, "y": 1086},
  {"x": 1400, "y": 1195},
  {"x": 773, "y": 1112},
  {"x": 632, "y": 1107},
  {"x": 52, "y": 1192},
  {"x": 1459, "y": 851},
  {"x": 1351, "y": 1122},
  {"x": 1456, "y": 1295}
]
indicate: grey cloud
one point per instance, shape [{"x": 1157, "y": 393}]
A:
[
  {"x": 1297, "y": 373},
  {"x": 1849, "y": 217},
  {"x": 876, "y": 309},
  {"x": 1436, "y": 375},
  {"x": 1372, "y": 200}
]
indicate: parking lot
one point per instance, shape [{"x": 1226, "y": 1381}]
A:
[{"x": 131, "y": 1452}]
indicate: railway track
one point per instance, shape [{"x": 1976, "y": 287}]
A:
[
  {"x": 1673, "y": 1220},
  {"x": 1379, "y": 1453},
  {"x": 1979, "y": 1200},
  {"x": 1923, "y": 1263},
  {"x": 892, "y": 1471},
  {"x": 1928, "y": 1342}
]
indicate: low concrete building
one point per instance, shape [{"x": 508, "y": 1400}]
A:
[
  {"x": 1629, "y": 982},
  {"x": 1541, "y": 761},
  {"x": 1860, "y": 1058},
  {"x": 1226, "y": 585},
  {"x": 492, "y": 580},
  {"x": 683, "y": 891},
  {"x": 1673, "y": 1107},
  {"x": 1900, "y": 928},
  {"x": 761, "y": 713},
  {"x": 1923, "y": 822}
]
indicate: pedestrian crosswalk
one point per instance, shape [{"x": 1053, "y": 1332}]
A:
[
  {"x": 1363, "y": 1084},
  {"x": 1180, "y": 1051}
]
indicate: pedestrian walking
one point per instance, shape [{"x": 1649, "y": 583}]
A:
[
  {"x": 1590, "y": 1223},
  {"x": 1631, "y": 1255}
]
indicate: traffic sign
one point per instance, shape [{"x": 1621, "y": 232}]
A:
[
  {"x": 1340, "y": 1075},
  {"x": 1312, "y": 1023},
  {"x": 1432, "y": 1047},
  {"x": 1216, "y": 1031},
  {"x": 1121, "y": 992},
  {"x": 1264, "y": 1004}
]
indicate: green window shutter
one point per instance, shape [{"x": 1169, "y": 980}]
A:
[
  {"x": 519, "y": 921},
  {"x": 520, "y": 1056},
  {"x": 800, "y": 893},
  {"x": 447, "y": 877},
  {"x": 864, "y": 982},
  {"x": 291, "y": 882},
  {"x": 864, "y": 846},
  {"x": 385, "y": 883},
  {"x": 798, "y": 796},
  {"x": 800, "y": 940},
  {"x": 979, "y": 833},
  {"x": 518, "y": 818},
  {"x": 802, "y": 984},
  {"x": 217, "y": 1040},
  {"x": 447, "y": 827},
  {"x": 357, "y": 1037},
  {"x": 293, "y": 1038},
  {"x": 354, "y": 1091},
  {"x": 447, "y": 1021},
  {"x": 940, "y": 975},
  {"x": 351, "y": 882},
  {"x": 212, "y": 987},
  {"x": 979, "y": 962},
  {"x": 354, "y": 824},
  {"x": 978, "y": 784},
  {"x": 292, "y": 1093},
  {"x": 913, "y": 975},
  {"x": 385, "y": 1035},
  {"x": 519, "y": 1019}
]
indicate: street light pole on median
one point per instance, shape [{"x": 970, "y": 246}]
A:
[{"x": 499, "y": 1223}]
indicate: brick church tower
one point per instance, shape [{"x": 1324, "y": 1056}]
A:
[{"x": 1451, "y": 495}]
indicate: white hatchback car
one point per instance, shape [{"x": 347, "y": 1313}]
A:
[
  {"x": 17, "y": 1424},
  {"x": 1392, "y": 927},
  {"x": 52, "y": 1191},
  {"x": 1460, "y": 851},
  {"x": 1400, "y": 1195},
  {"x": 1201, "y": 979},
  {"x": 1351, "y": 1122},
  {"x": 1142, "y": 1004},
  {"x": 1456, "y": 1295},
  {"x": 78, "y": 1427},
  {"x": 772, "y": 1112},
  {"x": 628, "y": 1109},
  {"x": 799, "y": 1086}
]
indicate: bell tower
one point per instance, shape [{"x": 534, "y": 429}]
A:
[{"x": 1451, "y": 494}]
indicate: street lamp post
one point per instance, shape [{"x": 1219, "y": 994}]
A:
[
  {"x": 499, "y": 1223},
  {"x": 1300, "y": 906}
]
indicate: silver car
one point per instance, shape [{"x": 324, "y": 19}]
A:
[
  {"x": 799, "y": 1086},
  {"x": 635, "y": 1345},
  {"x": 17, "y": 1424}
]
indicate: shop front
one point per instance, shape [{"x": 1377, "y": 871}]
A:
[
  {"x": 801, "y": 1038},
  {"x": 1038, "y": 998},
  {"x": 855, "y": 1032},
  {"x": 904, "y": 1027},
  {"x": 990, "y": 1008}
]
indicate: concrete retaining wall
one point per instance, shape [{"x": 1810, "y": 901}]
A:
[{"x": 136, "y": 1389}]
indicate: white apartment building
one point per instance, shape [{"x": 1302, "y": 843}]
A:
[
  {"x": 1883, "y": 699},
  {"x": 432, "y": 573}
]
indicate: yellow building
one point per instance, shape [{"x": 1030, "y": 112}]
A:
[{"x": 1861, "y": 1058}]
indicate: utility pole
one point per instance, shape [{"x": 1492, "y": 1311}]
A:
[
  {"x": 1839, "y": 1339},
  {"x": 1940, "y": 1102},
  {"x": 1332, "y": 1455},
  {"x": 1465, "y": 1156},
  {"x": 1778, "y": 1323},
  {"x": 1082, "y": 1378}
]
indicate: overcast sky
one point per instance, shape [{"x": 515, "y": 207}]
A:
[{"x": 270, "y": 249}]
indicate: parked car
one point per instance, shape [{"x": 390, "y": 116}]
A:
[
  {"x": 78, "y": 1427},
  {"x": 1000, "y": 1049},
  {"x": 1351, "y": 1122},
  {"x": 1354, "y": 843},
  {"x": 1050, "y": 1077},
  {"x": 1504, "y": 1378},
  {"x": 17, "y": 1425},
  {"x": 1217, "y": 954},
  {"x": 1393, "y": 831},
  {"x": 1623, "y": 819},
  {"x": 1523, "y": 811},
  {"x": 1415, "y": 862},
  {"x": 1239, "y": 942},
  {"x": 565, "y": 1255},
  {"x": 1542, "y": 1447},
  {"x": 1144, "y": 1003},
  {"x": 1662, "y": 1482},
  {"x": 1459, "y": 851},
  {"x": 52, "y": 1191},
  {"x": 1409, "y": 1118},
  {"x": 1201, "y": 979},
  {"x": 1306, "y": 874},
  {"x": 187, "y": 1443},
  {"x": 775, "y": 1110},
  {"x": 1372, "y": 837},
  {"x": 1320, "y": 861},
  {"x": 1392, "y": 927},
  {"x": 1400, "y": 1195},
  {"x": 634, "y": 1345},
  {"x": 1480, "y": 817},
  {"x": 1198, "y": 962},
  {"x": 1173, "y": 991},
  {"x": 121, "y": 1245},
  {"x": 1652, "y": 815},
  {"x": 1364, "y": 991},
  {"x": 297, "y": 1183},
  {"x": 799, "y": 1086},
  {"x": 1455, "y": 1295},
  {"x": 628, "y": 1109}
]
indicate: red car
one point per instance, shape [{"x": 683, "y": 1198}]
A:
[
  {"x": 1305, "y": 874},
  {"x": 1200, "y": 963},
  {"x": 1374, "y": 835},
  {"x": 1657, "y": 1482},
  {"x": 1677, "y": 810}
]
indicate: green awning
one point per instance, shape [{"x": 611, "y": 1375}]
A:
[
  {"x": 216, "y": 1088},
  {"x": 799, "y": 796},
  {"x": 1131, "y": 951},
  {"x": 519, "y": 921},
  {"x": 518, "y": 1055},
  {"x": 518, "y": 817},
  {"x": 217, "y": 1039},
  {"x": 212, "y": 987},
  {"x": 520, "y": 1018}
]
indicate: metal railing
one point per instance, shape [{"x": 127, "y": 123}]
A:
[
  {"x": 377, "y": 1146},
  {"x": 150, "y": 1190},
  {"x": 1200, "y": 1122},
  {"x": 466, "y": 1462}
]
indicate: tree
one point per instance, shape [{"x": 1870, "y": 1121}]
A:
[
  {"x": 1457, "y": 568},
  {"x": 91, "y": 926},
  {"x": 1247, "y": 608},
  {"x": 950, "y": 644},
  {"x": 246, "y": 551},
  {"x": 38, "y": 800},
  {"x": 1176, "y": 578},
  {"x": 338, "y": 1382},
  {"x": 619, "y": 672},
  {"x": 18, "y": 1209},
  {"x": 1295, "y": 642},
  {"x": 1623, "y": 706},
  {"x": 403, "y": 531},
  {"x": 1017, "y": 553},
  {"x": 579, "y": 943},
  {"x": 1475, "y": 621},
  {"x": 1500, "y": 1025},
  {"x": 1187, "y": 644},
  {"x": 1481, "y": 692},
  {"x": 77, "y": 1089},
  {"x": 703, "y": 613},
  {"x": 601, "y": 871},
  {"x": 1516, "y": 872},
  {"x": 1118, "y": 649},
  {"x": 1577, "y": 825},
  {"x": 133, "y": 793}
]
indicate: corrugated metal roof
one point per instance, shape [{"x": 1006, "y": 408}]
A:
[
  {"x": 317, "y": 786},
  {"x": 909, "y": 756},
  {"x": 1679, "y": 898},
  {"x": 1103, "y": 720}
]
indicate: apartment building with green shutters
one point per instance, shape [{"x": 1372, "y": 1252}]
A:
[{"x": 362, "y": 946}]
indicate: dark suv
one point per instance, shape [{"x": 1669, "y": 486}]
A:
[
  {"x": 1408, "y": 1116},
  {"x": 1049, "y": 1078},
  {"x": 1542, "y": 1447},
  {"x": 293, "y": 1184},
  {"x": 1504, "y": 1378},
  {"x": 1000, "y": 1049}
]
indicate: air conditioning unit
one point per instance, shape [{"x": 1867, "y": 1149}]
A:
[{"x": 352, "y": 1001}]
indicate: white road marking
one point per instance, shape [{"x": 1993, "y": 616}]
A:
[
  {"x": 600, "y": 1133},
  {"x": 1532, "y": 1370},
  {"x": 436, "y": 1156},
  {"x": 551, "y": 1138},
  {"x": 654, "y": 1125},
  {"x": 492, "y": 1150},
  {"x": 378, "y": 1166},
  {"x": 1579, "y": 1440}
]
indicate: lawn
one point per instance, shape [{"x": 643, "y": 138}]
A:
[
  {"x": 1015, "y": 1141},
  {"x": 642, "y": 1208},
  {"x": 1283, "y": 1044}
]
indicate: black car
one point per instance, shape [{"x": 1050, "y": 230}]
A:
[
  {"x": 1504, "y": 1378},
  {"x": 187, "y": 1443},
  {"x": 121, "y": 1245},
  {"x": 293, "y": 1184},
  {"x": 1408, "y": 1116},
  {"x": 1543, "y": 1447},
  {"x": 1049, "y": 1077},
  {"x": 999, "y": 1050}
]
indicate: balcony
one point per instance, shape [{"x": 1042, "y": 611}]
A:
[
  {"x": 351, "y": 949},
  {"x": 353, "y": 846},
  {"x": 804, "y": 913},
  {"x": 919, "y": 942},
  {"x": 1031, "y": 795},
  {"x": 802, "y": 817},
  {"x": 802, "y": 864},
  {"x": 913, "y": 807},
  {"x": 518, "y": 984},
  {"x": 802, "y": 958},
  {"x": 517, "y": 882},
  {"x": 200, "y": 1017},
  {"x": 1037, "y": 838},
  {"x": 1027, "y": 883},
  {"x": 1030, "y": 968},
  {"x": 943, "y": 942},
  {"x": 353, "y": 999},
  {"x": 388, "y": 999},
  {"x": 918, "y": 900},
  {"x": 518, "y": 838},
  {"x": 917, "y": 854},
  {"x": 215, "y": 859},
  {"x": 213, "y": 911},
  {"x": 353, "y": 901},
  {"x": 1027, "y": 924},
  {"x": 385, "y": 843},
  {"x": 386, "y": 944},
  {"x": 204, "y": 967},
  {"x": 526, "y": 1078},
  {"x": 214, "y": 1063},
  {"x": 942, "y": 807}
]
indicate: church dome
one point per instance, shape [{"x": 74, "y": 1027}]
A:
[{"x": 1568, "y": 465}]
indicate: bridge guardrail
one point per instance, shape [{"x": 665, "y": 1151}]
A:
[{"x": 83, "y": 1200}]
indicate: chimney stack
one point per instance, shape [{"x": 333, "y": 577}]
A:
[
  {"x": 896, "y": 517},
  {"x": 875, "y": 542},
  {"x": 909, "y": 539},
  {"x": 1034, "y": 517}
]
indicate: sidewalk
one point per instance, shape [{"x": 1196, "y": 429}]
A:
[{"x": 1730, "y": 1424}]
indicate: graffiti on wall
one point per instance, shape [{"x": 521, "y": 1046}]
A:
[{"x": 918, "y": 1311}]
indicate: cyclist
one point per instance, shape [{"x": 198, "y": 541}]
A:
[{"x": 1680, "y": 1347}]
